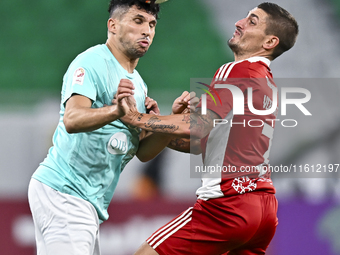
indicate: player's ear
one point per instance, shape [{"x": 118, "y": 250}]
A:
[
  {"x": 112, "y": 25},
  {"x": 271, "y": 42}
]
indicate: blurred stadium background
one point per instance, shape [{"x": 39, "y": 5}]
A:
[{"x": 40, "y": 38}]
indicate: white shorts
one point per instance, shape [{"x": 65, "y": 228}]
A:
[{"x": 64, "y": 224}]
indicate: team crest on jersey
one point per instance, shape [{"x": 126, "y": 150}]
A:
[
  {"x": 243, "y": 185},
  {"x": 78, "y": 76},
  {"x": 118, "y": 144}
]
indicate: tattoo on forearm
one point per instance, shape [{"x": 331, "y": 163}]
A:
[
  {"x": 180, "y": 143},
  {"x": 186, "y": 118},
  {"x": 201, "y": 123},
  {"x": 139, "y": 118},
  {"x": 155, "y": 126}
]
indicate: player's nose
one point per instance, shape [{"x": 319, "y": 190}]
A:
[
  {"x": 240, "y": 23},
  {"x": 146, "y": 30}
]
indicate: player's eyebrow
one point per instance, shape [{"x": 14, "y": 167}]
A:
[
  {"x": 143, "y": 18},
  {"x": 140, "y": 16},
  {"x": 254, "y": 16}
]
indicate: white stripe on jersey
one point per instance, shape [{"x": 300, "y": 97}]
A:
[
  {"x": 219, "y": 71},
  {"x": 174, "y": 225},
  {"x": 229, "y": 70},
  {"x": 230, "y": 66},
  {"x": 219, "y": 76},
  {"x": 214, "y": 156}
]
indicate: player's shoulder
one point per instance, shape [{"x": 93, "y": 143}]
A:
[
  {"x": 92, "y": 55},
  {"x": 254, "y": 67},
  {"x": 92, "y": 59},
  {"x": 259, "y": 67}
]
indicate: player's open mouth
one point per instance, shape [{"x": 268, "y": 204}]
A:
[{"x": 237, "y": 32}]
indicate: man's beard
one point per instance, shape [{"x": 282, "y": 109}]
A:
[
  {"x": 132, "y": 51},
  {"x": 135, "y": 52}
]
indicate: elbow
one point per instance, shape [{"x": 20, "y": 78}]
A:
[
  {"x": 144, "y": 158},
  {"x": 197, "y": 134},
  {"x": 69, "y": 126},
  {"x": 145, "y": 155}
]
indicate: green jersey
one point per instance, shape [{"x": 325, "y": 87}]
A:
[{"x": 88, "y": 165}]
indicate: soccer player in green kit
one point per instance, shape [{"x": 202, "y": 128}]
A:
[{"x": 71, "y": 190}]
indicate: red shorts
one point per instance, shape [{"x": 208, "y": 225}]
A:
[{"x": 242, "y": 225}]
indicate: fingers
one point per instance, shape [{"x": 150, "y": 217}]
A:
[
  {"x": 149, "y": 102},
  {"x": 187, "y": 98},
  {"x": 119, "y": 97},
  {"x": 193, "y": 102},
  {"x": 126, "y": 83},
  {"x": 151, "y": 106},
  {"x": 125, "y": 89},
  {"x": 190, "y": 99},
  {"x": 192, "y": 95},
  {"x": 184, "y": 98},
  {"x": 186, "y": 110}
]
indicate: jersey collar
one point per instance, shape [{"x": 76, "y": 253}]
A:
[{"x": 257, "y": 59}]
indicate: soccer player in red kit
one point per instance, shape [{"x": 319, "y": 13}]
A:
[{"x": 236, "y": 209}]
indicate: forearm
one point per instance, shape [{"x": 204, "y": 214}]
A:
[
  {"x": 192, "y": 146},
  {"x": 151, "y": 145},
  {"x": 83, "y": 119},
  {"x": 171, "y": 125}
]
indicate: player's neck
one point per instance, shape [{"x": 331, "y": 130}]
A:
[
  {"x": 240, "y": 57},
  {"x": 127, "y": 63}
]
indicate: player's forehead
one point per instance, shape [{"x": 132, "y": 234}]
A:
[
  {"x": 134, "y": 11},
  {"x": 259, "y": 14}
]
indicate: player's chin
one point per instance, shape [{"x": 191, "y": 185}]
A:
[{"x": 141, "y": 52}]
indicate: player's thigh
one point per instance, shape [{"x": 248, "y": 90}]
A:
[
  {"x": 145, "y": 249},
  {"x": 210, "y": 227},
  {"x": 64, "y": 224},
  {"x": 259, "y": 243}
]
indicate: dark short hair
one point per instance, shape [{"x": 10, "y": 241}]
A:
[
  {"x": 281, "y": 24},
  {"x": 151, "y": 8}
]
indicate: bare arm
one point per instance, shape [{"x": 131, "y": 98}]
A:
[
  {"x": 187, "y": 125},
  {"x": 185, "y": 145},
  {"x": 151, "y": 144},
  {"x": 182, "y": 105},
  {"x": 80, "y": 117}
]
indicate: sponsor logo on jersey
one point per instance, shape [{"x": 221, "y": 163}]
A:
[
  {"x": 118, "y": 144},
  {"x": 78, "y": 76}
]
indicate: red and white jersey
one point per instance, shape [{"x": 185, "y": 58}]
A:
[{"x": 237, "y": 148}]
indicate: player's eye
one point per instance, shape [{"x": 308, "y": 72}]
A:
[
  {"x": 252, "y": 22},
  {"x": 139, "y": 21},
  {"x": 152, "y": 24}
]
